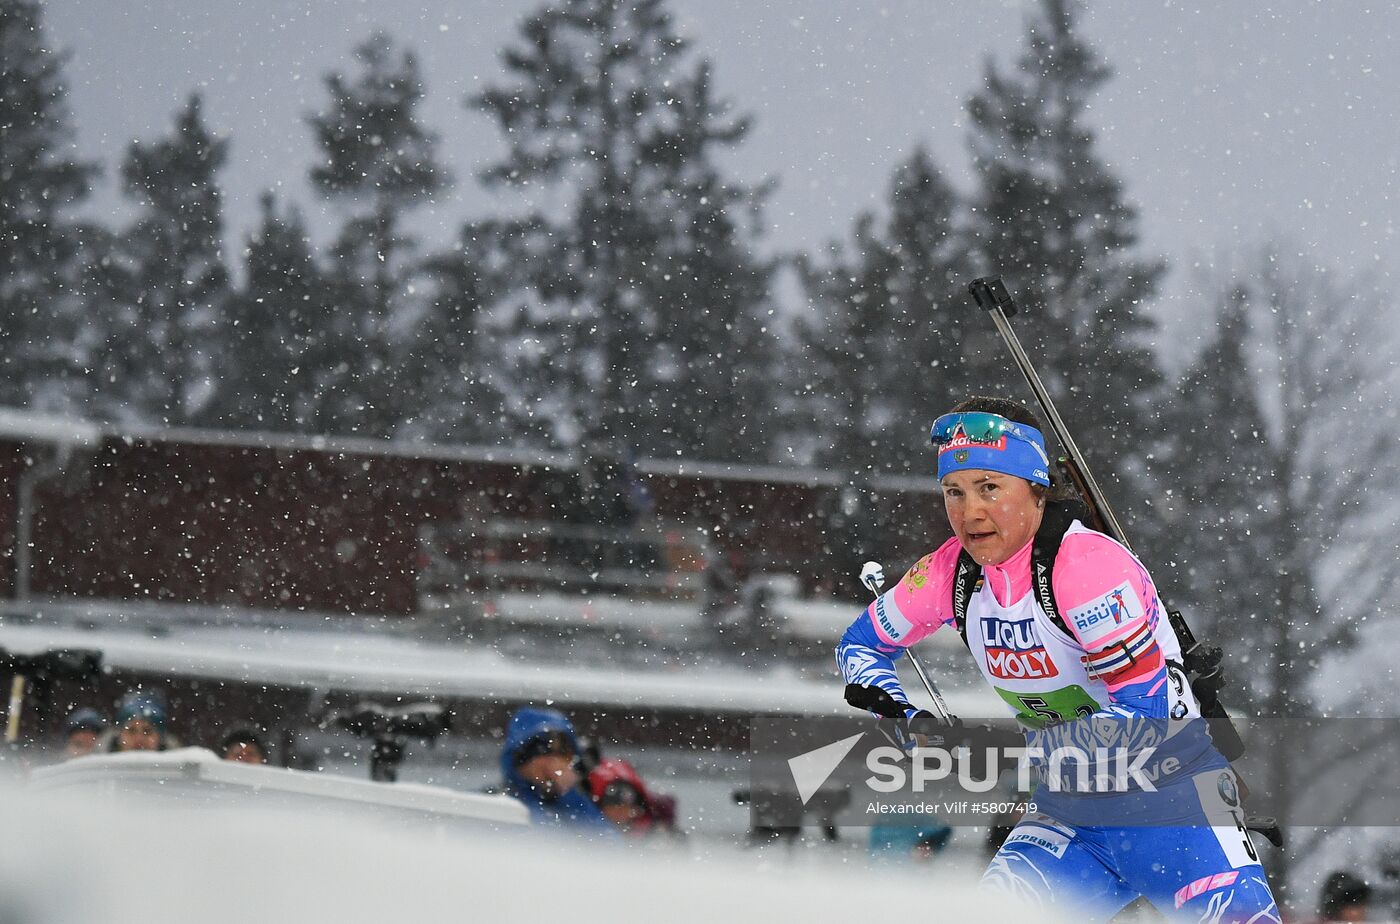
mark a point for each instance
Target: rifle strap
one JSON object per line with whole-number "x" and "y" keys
{"x": 967, "y": 580}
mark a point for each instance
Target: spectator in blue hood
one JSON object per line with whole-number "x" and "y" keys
{"x": 538, "y": 763}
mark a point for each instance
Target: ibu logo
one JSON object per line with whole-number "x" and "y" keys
{"x": 1014, "y": 651}
{"x": 1114, "y": 608}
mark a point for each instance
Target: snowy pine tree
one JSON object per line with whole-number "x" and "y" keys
{"x": 1221, "y": 502}
{"x": 1050, "y": 217}
{"x": 167, "y": 281}
{"x": 40, "y": 312}
{"x": 1314, "y": 488}
{"x": 460, "y": 370}
{"x": 644, "y": 296}
{"x": 878, "y": 354}
{"x": 379, "y": 162}
{"x": 1284, "y": 476}
{"x": 283, "y": 334}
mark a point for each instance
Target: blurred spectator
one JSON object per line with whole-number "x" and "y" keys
{"x": 663, "y": 813}
{"x": 590, "y": 754}
{"x": 1345, "y": 897}
{"x": 243, "y": 746}
{"x": 141, "y": 721}
{"x": 82, "y": 731}
{"x": 538, "y": 764}
{"x": 1385, "y": 893}
{"x": 720, "y": 586}
{"x": 624, "y": 799}
{"x": 908, "y": 842}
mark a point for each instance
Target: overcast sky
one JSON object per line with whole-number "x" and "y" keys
{"x": 1228, "y": 121}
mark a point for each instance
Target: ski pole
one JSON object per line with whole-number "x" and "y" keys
{"x": 872, "y": 575}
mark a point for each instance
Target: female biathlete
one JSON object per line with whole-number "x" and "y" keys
{"x": 1100, "y": 672}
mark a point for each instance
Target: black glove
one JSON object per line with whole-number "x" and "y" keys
{"x": 933, "y": 732}
{"x": 876, "y": 700}
{"x": 922, "y": 728}
{"x": 897, "y": 720}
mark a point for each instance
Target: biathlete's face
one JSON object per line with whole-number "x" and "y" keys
{"x": 993, "y": 515}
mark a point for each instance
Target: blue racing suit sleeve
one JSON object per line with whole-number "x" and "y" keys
{"x": 868, "y": 662}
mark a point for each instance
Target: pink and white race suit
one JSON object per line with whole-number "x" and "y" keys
{"x": 1104, "y": 680}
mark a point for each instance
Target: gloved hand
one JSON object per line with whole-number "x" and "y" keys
{"x": 896, "y": 718}
{"x": 907, "y": 726}
{"x": 904, "y": 725}
{"x": 879, "y": 701}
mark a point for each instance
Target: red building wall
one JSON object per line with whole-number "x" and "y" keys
{"x": 11, "y": 465}
{"x": 210, "y": 522}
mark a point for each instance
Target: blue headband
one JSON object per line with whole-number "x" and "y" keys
{"x": 1012, "y": 449}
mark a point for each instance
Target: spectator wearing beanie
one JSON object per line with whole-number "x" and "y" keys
{"x": 242, "y": 745}
{"x": 82, "y": 732}
{"x": 141, "y": 721}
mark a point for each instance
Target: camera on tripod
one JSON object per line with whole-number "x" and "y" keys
{"x": 389, "y": 727}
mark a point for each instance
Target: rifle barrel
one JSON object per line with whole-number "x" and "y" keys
{"x": 1023, "y": 362}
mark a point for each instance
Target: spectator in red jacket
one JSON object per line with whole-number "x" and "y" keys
{"x": 624, "y": 799}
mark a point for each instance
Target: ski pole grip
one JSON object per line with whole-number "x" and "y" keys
{"x": 989, "y": 292}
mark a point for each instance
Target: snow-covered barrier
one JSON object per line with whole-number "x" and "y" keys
{"x": 200, "y": 777}
{"x": 73, "y": 856}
